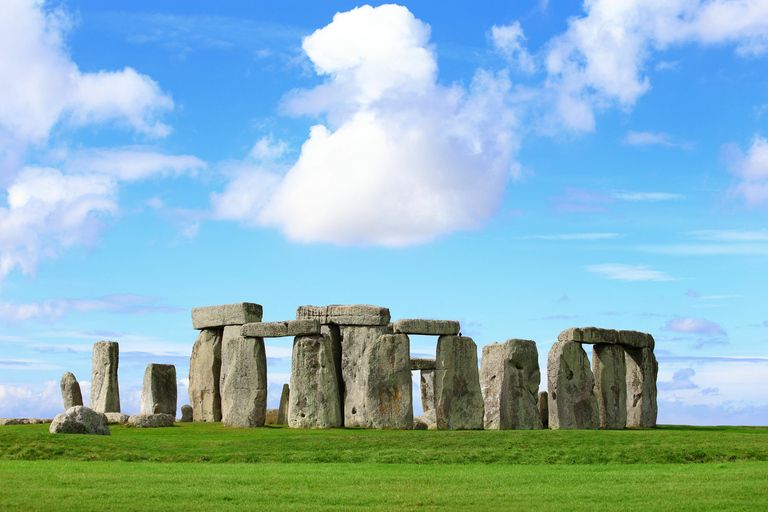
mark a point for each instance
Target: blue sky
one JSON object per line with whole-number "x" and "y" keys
{"x": 522, "y": 167}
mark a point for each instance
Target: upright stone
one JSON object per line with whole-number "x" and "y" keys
{"x": 70, "y": 391}
{"x": 243, "y": 382}
{"x": 105, "y": 393}
{"x": 610, "y": 371}
{"x": 186, "y": 413}
{"x": 572, "y": 401}
{"x": 282, "y": 411}
{"x": 313, "y": 401}
{"x": 389, "y": 396}
{"x": 458, "y": 399}
{"x": 427, "y": 390}
{"x": 642, "y": 370}
{"x": 158, "y": 392}
{"x": 204, "y": 376}
{"x": 544, "y": 409}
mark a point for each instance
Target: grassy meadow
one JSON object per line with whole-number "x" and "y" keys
{"x": 199, "y": 466}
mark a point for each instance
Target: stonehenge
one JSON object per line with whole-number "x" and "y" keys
{"x": 80, "y": 420}
{"x": 458, "y": 399}
{"x": 70, "y": 391}
{"x": 105, "y": 393}
{"x": 158, "y": 393}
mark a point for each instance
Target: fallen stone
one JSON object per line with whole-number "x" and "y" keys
{"x": 204, "y": 376}
{"x": 544, "y": 409}
{"x": 24, "y": 421}
{"x": 360, "y": 314}
{"x": 271, "y": 417}
{"x": 642, "y": 371}
{"x": 158, "y": 392}
{"x": 80, "y": 420}
{"x": 418, "y": 363}
{"x": 314, "y": 399}
{"x": 243, "y": 382}
{"x": 610, "y": 371}
{"x": 427, "y": 386}
{"x": 593, "y": 335}
{"x": 279, "y": 329}
{"x": 151, "y": 420}
{"x": 228, "y": 314}
{"x": 116, "y": 417}
{"x": 509, "y": 380}
{"x": 427, "y": 327}
{"x": 282, "y": 411}
{"x": 105, "y": 392}
{"x": 458, "y": 399}
{"x": 389, "y": 397}
{"x": 70, "y": 391}
{"x": 419, "y": 423}
{"x": 187, "y": 413}
{"x": 572, "y": 401}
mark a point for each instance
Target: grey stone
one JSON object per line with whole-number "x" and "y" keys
{"x": 24, "y": 421}
{"x": 389, "y": 396}
{"x": 116, "y": 417}
{"x": 636, "y": 339}
{"x": 80, "y": 420}
{"x": 458, "y": 399}
{"x": 509, "y": 380}
{"x": 204, "y": 376}
{"x": 427, "y": 327}
{"x": 227, "y": 314}
{"x": 70, "y": 391}
{"x": 572, "y": 401}
{"x": 187, "y": 413}
{"x": 243, "y": 382}
{"x": 105, "y": 392}
{"x": 419, "y": 423}
{"x": 356, "y": 342}
{"x": 610, "y": 371}
{"x": 427, "y": 385}
{"x": 271, "y": 417}
{"x": 594, "y": 335}
{"x": 544, "y": 409}
{"x": 419, "y": 363}
{"x": 314, "y": 398}
{"x": 642, "y": 371}
{"x": 151, "y": 420}
{"x": 282, "y": 411}
{"x": 279, "y": 329}
{"x": 359, "y": 314}
{"x": 158, "y": 392}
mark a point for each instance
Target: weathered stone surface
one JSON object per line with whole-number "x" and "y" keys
{"x": 419, "y": 363}
{"x": 204, "y": 376}
{"x": 458, "y": 399}
{"x": 24, "y": 421}
{"x": 389, "y": 399}
{"x": 427, "y": 382}
{"x": 70, "y": 391}
{"x": 594, "y": 335}
{"x": 610, "y": 371}
{"x": 243, "y": 382}
{"x": 227, "y": 314}
{"x": 314, "y": 399}
{"x": 282, "y": 411}
{"x": 356, "y": 342}
{"x": 116, "y": 417}
{"x": 279, "y": 329}
{"x": 419, "y": 423}
{"x": 642, "y": 371}
{"x": 80, "y": 420}
{"x": 572, "y": 401}
{"x": 544, "y": 409}
{"x": 428, "y": 327}
{"x": 271, "y": 417}
{"x": 158, "y": 392}
{"x": 187, "y": 413}
{"x": 509, "y": 380}
{"x": 359, "y": 314}
{"x": 105, "y": 393}
{"x": 151, "y": 420}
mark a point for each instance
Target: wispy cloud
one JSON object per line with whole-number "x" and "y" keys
{"x": 647, "y": 197}
{"x": 732, "y": 235}
{"x": 573, "y": 236}
{"x": 655, "y": 139}
{"x": 681, "y": 379}
{"x": 51, "y": 309}
{"x": 623, "y": 272}
{"x": 694, "y": 326}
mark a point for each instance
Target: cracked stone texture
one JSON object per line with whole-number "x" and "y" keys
{"x": 426, "y": 327}
{"x": 282, "y": 411}
{"x": 389, "y": 396}
{"x": 70, "y": 391}
{"x": 594, "y": 335}
{"x": 458, "y": 399}
{"x": 642, "y": 371}
{"x": 204, "y": 376}
{"x": 238, "y": 313}
{"x": 427, "y": 390}
{"x": 80, "y": 420}
{"x": 243, "y": 382}
{"x": 359, "y": 314}
{"x": 314, "y": 396}
{"x": 151, "y": 420}
{"x": 105, "y": 392}
{"x": 159, "y": 389}
{"x": 610, "y": 371}
{"x": 281, "y": 329}
{"x": 572, "y": 401}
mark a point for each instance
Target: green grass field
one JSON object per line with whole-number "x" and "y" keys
{"x": 209, "y": 467}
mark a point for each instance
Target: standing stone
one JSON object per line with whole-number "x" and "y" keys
{"x": 509, "y": 380}
{"x": 70, "y": 391}
{"x": 158, "y": 392}
{"x": 282, "y": 411}
{"x": 243, "y": 382}
{"x": 458, "y": 399}
{"x": 610, "y": 371}
{"x": 642, "y": 370}
{"x": 427, "y": 390}
{"x": 572, "y": 401}
{"x": 80, "y": 420}
{"x": 544, "y": 409}
{"x": 204, "y": 376}
{"x": 105, "y": 393}
{"x": 389, "y": 397}
{"x": 186, "y": 413}
{"x": 313, "y": 401}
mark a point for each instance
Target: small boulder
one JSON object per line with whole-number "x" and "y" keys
{"x": 151, "y": 420}
{"x": 116, "y": 417}
{"x": 80, "y": 420}
{"x": 186, "y": 413}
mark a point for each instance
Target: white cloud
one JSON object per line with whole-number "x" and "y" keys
{"x": 52, "y": 309}
{"x": 751, "y": 170}
{"x": 131, "y": 164}
{"x": 31, "y": 401}
{"x": 695, "y": 326}
{"x": 654, "y": 139}
{"x": 509, "y": 41}
{"x": 629, "y": 272}
{"x": 734, "y": 235}
{"x": 651, "y": 197}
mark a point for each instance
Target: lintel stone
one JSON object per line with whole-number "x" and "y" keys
{"x": 359, "y": 314}
{"x": 428, "y": 327}
{"x": 419, "y": 363}
{"x": 280, "y": 329}
{"x": 594, "y": 335}
{"x": 227, "y": 314}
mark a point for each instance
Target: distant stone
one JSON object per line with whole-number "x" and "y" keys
{"x": 636, "y": 339}
{"x": 389, "y": 396}
{"x": 642, "y": 371}
{"x": 282, "y": 411}
{"x": 80, "y": 420}
{"x": 610, "y": 371}
{"x": 418, "y": 363}
{"x": 105, "y": 392}
{"x": 544, "y": 409}
{"x": 314, "y": 400}
{"x": 116, "y": 417}
{"x": 228, "y": 314}
{"x": 427, "y": 327}
{"x": 187, "y": 413}
{"x": 427, "y": 384}
{"x": 572, "y": 401}
{"x": 593, "y": 335}
{"x": 360, "y": 314}
{"x": 204, "y": 376}
{"x": 243, "y": 382}
{"x": 151, "y": 420}
{"x": 419, "y": 423}
{"x": 70, "y": 391}
{"x": 158, "y": 392}
{"x": 271, "y": 417}
{"x": 279, "y": 329}
{"x": 458, "y": 399}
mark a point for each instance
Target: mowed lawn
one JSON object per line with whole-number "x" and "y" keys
{"x": 209, "y": 467}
